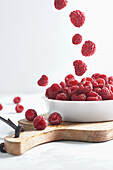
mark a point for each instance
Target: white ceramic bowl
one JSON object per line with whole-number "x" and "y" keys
{"x": 81, "y": 111}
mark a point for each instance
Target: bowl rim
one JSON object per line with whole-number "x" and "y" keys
{"x": 66, "y": 101}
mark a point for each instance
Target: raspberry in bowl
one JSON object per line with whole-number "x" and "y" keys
{"x": 90, "y": 100}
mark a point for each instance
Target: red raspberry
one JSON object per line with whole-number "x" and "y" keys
{"x": 103, "y": 76}
{"x": 19, "y": 108}
{"x": 85, "y": 87}
{"x": 105, "y": 93}
{"x": 54, "y": 90}
{"x": 69, "y": 77}
{"x": 99, "y": 83}
{"x": 88, "y": 48}
{"x": 47, "y": 92}
{"x": 95, "y": 76}
{"x": 77, "y": 18}
{"x": 62, "y": 96}
{"x": 74, "y": 97}
{"x": 1, "y": 107}
{"x": 60, "y": 4}
{"x": 55, "y": 119}
{"x": 66, "y": 90}
{"x": 93, "y": 99}
{"x": 110, "y": 87}
{"x": 97, "y": 90}
{"x": 43, "y": 81}
{"x": 72, "y": 90}
{"x": 63, "y": 85}
{"x": 17, "y": 100}
{"x": 80, "y": 67}
{"x": 77, "y": 39}
{"x": 110, "y": 78}
{"x": 30, "y": 114}
{"x": 81, "y": 97}
{"x": 87, "y": 79}
{"x": 40, "y": 122}
{"x": 111, "y": 96}
{"x": 72, "y": 83}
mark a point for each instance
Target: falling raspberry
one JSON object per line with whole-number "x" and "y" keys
{"x": 76, "y": 39}
{"x": 30, "y": 114}
{"x": 88, "y": 48}
{"x": 1, "y": 107}
{"x": 19, "y": 108}
{"x": 80, "y": 67}
{"x": 55, "y": 119}
{"x": 60, "y": 4}
{"x": 40, "y": 123}
{"x": 43, "y": 81}
{"x": 77, "y": 18}
{"x": 17, "y": 100}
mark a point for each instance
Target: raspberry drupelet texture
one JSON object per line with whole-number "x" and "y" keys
{"x": 93, "y": 96}
{"x": 76, "y": 39}
{"x": 85, "y": 87}
{"x": 40, "y": 123}
{"x": 55, "y": 119}
{"x": 30, "y": 114}
{"x": 17, "y": 100}
{"x": 19, "y": 108}
{"x": 80, "y": 67}
{"x": 88, "y": 48}
{"x": 60, "y": 4}
{"x": 99, "y": 83}
{"x": 105, "y": 93}
{"x": 62, "y": 96}
{"x": 43, "y": 81}
{"x": 1, "y": 107}
{"x": 72, "y": 90}
{"x": 53, "y": 91}
{"x": 77, "y": 18}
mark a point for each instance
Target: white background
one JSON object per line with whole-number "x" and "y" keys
{"x": 35, "y": 39}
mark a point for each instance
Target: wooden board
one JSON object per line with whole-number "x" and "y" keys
{"x": 90, "y": 132}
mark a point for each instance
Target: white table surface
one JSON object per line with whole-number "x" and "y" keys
{"x": 61, "y": 155}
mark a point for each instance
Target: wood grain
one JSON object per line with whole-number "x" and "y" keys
{"x": 90, "y": 132}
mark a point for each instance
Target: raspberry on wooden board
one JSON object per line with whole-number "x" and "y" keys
{"x": 55, "y": 119}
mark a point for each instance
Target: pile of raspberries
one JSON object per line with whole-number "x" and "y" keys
{"x": 95, "y": 88}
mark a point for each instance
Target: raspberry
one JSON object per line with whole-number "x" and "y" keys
{"x": 110, "y": 78}
{"x": 19, "y": 108}
{"x": 97, "y": 90}
{"x": 105, "y": 93}
{"x": 47, "y": 92}
{"x": 62, "y": 96}
{"x": 72, "y": 83}
{"x": 74, "y": 97}
{"x": 30, "y": 114}
{"x": 43, "y": 81}
{"x": 95, "y": 76}
{"x": 17, "y": 100}
{"x": 40, "y": 122}
{"x": 87, "y": 79}
{"x": 63, "y": 85}
{"x": 77, "y": 18}
{"x": 81, "y": 97}
{"x": 88, "y": 48}
{"x": 60, "y": 4}
{"x": 85, "y": 87}
{"x": 77, "y": 39}
{"x": 80, "y": 67}
{"x": 73, "y": 89}
{"x": 69, "y": 77}
{"x": 103, "y": 76}
{"x": 55, "y": 118}
{"x": 93, "y": 99}
{"x": 99, "y": 83}
{"x": 54, "y": 90}
{"x": 66, "y": 90}
{"x": 1, "y": 107}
